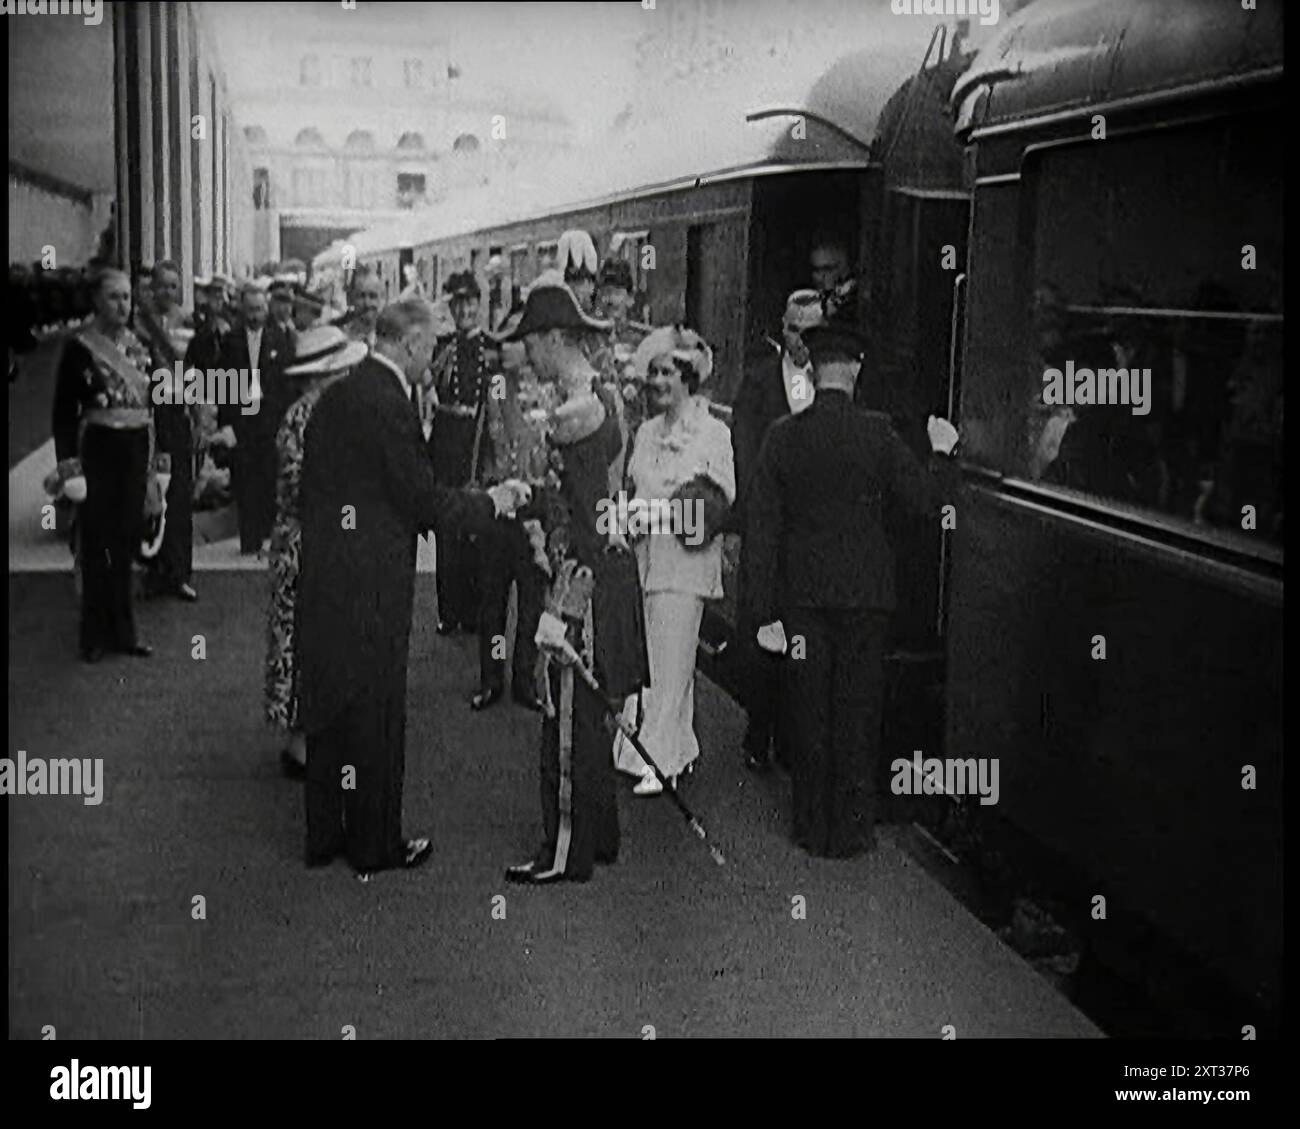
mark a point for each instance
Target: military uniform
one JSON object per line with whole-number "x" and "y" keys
{"x": 101, "y": 418}
{"x": 579, "y": 807}
{"x": 460, "y": 372}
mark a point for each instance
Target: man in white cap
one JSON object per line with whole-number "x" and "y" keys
{"x": 779, "y": 384}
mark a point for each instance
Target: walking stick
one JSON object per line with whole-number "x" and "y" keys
{"x": 630, "y": 733}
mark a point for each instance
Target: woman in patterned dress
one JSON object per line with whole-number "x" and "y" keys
{"x": 324, "y": 354}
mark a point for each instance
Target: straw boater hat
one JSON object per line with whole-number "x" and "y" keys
{"x": 325, "y": 349}
{"x": 550, "y": 304}
{"x": 804, "y": 309}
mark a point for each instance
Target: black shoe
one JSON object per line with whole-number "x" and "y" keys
{"x": 418, "y": 852}
{"x": 138, "y": 650}
{"x": 607, "y": 860}
{"x": 290, "y": 767}
{"x": 531, "y": 873}
{"x": 758, "y": 762}
{"x": 324, "y": 859}
{"x": 186, "y": 593}
{"x": 92, "y": 654}
{"x": 527, "y": 699}
{"x": 485, "y": 698}
{"x": 446, "y": 627}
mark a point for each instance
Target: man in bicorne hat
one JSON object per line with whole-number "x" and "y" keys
{"x": 823, "y": 583}
{"x": 460, "y": 377}
{"x": 593, "y": 612}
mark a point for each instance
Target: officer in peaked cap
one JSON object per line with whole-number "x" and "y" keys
{"x": 461, "y": 367}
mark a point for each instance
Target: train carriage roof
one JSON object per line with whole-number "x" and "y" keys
{"x": 843, "y": 109}
{"x": 1058, "y": 55}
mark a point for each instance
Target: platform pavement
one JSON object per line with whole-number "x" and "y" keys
{"x": 103, "y": 944}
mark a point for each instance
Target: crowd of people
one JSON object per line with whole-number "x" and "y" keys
{"x": 366, "y": 428}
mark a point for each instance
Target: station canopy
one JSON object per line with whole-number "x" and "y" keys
{"x": 687, "y": 139}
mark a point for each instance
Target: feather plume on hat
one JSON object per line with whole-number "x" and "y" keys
{"x": 576, "y": 254}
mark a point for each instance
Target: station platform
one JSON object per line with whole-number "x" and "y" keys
{"x": 103, "y": 944}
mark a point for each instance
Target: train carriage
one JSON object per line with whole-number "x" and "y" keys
{"x": 1116, "y": 589}
{"x": 1098, "y": 189}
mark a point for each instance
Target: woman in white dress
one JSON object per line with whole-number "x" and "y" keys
{"x": 678, "y": 446}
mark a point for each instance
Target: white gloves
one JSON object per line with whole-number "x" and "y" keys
{"x": 943, "y": 436}
{"x": 510, "y": 496}
{"x": 771, "y": 637}
{"x": 224, "y": 438}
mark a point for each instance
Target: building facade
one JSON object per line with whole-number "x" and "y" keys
{"x": 352, "y": 122}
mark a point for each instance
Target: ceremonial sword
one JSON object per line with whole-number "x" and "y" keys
{"x": 625, "y": 727}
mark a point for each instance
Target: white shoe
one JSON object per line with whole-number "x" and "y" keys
{"x": 649, "y": 785}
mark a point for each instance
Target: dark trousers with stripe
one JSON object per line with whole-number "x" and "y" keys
{"x": 593, "y": 830}
{"x": 359, "y": 815}
{"x": 115, "y": 463}
{"x": 833, "y": 703}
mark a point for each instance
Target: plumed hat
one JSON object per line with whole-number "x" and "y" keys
{"x": 551, "y": 305}
{"x": 576, "y": 255}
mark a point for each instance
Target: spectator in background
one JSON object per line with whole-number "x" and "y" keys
{"x": 777, "y": 385}
{"x": 831, "y": 268}
{"x": 576, "y": 257}
{"x": 166, "y": 329}
{"x": 263, "y": 350}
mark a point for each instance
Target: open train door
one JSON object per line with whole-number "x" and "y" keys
{"x": 912, "y": 304}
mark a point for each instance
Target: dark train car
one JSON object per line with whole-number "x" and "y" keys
{"x": 1127, "y": 214}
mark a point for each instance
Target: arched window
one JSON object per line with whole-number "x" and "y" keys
{"x": 310, "y": 138}
{"x": 360, "y": 139}
{"x": 410, "y": 140}
{"x": 255, "y": 135}
{"x": 465, "y": 143}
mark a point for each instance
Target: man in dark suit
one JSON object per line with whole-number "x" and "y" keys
{"x": 777, "y": 385}
{"x": 367, "y": 492}
{"x": 265, "y": 351}
{"x": 823, "y": 583}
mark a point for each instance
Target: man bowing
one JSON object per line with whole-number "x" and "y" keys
{"x": 367, "y": 492}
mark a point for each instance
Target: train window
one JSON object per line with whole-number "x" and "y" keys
{"x": 1156, "y": 371}
{"x": 518, "y": 271}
